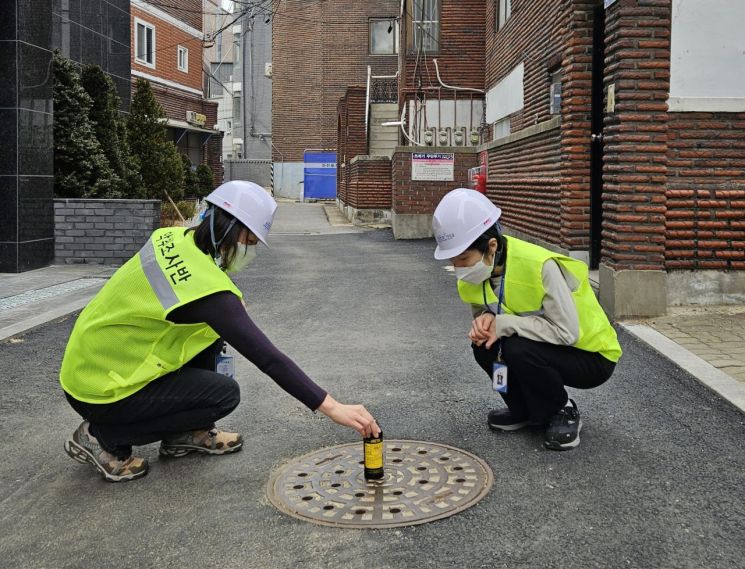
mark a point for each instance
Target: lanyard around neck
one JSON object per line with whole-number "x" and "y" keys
{"x": 500, "y": 300}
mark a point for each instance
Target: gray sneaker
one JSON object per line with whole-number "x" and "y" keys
{"x": 84, "y": 448}
{"x": 209, "y": 442}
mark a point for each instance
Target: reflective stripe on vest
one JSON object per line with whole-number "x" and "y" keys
{"x": 524, "y": 293}
{"x": 123, "y": 340}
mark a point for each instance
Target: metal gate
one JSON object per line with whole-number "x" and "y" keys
{"x": 319, "y": 174}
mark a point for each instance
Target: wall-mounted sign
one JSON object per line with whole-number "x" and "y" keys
{"x": 432, "y": 166}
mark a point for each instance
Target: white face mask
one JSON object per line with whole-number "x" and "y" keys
{"x": 242, "y": 259}
{"x": 475, "y": 274}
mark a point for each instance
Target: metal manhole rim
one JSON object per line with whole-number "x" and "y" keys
{"x": 273, "y": 497}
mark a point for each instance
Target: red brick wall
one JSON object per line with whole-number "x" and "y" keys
{"x": 705, "y": 221}
{"x": 351, "y": 140}
{"x": 524, "y": 180}
{"x": 535, "y": 34}
{"x": 167, "y": 39}
{"x": 319, "y": 47}
{"x": 422, "y": 197}
{"x": 369, "y": 184}
{"x": 188, "y": 11}
{"x": 637, "y": 59}
{"x": 576, "y": 124}
{"x": 461, "y": 54}
{"x": 538, "y": 181}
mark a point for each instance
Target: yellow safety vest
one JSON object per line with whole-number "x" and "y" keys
{"x": 122, "y": 340}
{"x": 524, "y": 293}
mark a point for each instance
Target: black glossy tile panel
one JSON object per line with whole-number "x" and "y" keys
{"x": 35, "y": 80}
{"x": 8, "y": 92}
{"x": 9, "y": 208}
{"x": 8, "y": 257}
{"x": 93, "y": 15}
{"x": 8, "y": 20}
{"x": 35, "y": 22}
{"x": 35, "y": 143}
{"x": 35, "y": 207}
{"x": 92, "y": 48}
{"x": 9, "y": 138}
{"x": 35, "y": 254}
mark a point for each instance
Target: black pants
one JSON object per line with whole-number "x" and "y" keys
{"x": 191, "y": 398}
{"x": 537, "y": 373}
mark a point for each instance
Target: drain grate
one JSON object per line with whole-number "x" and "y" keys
{"x": 423, "y": 482}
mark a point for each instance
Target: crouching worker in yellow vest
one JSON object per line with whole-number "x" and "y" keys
{"x": 140, "y": 363}
{"x": 537, "y": 326}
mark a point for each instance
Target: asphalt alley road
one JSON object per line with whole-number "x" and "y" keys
{"x": 656, "y": 483}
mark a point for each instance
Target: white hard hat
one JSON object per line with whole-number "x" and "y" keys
{"x": 249, "y": 203}
{"x": 459, "y": 219}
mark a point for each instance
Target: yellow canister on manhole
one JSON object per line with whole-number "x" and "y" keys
{"x": 374, "y": 457}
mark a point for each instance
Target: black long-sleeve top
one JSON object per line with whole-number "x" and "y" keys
{"x": 225, "y": 314}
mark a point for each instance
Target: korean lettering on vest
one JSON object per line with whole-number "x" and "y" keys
{"x": 175, "y": 268}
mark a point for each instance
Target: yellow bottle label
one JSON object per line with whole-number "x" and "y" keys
{"x": 374, "y": 455}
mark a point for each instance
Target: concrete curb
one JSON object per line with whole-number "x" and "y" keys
{"x": 715, "y": 379}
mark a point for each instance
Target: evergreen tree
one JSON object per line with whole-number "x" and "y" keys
{"x": 158, "y": 158}
{"x": 81, "y": 169}
{"x": 205, "y": 180}
{"x": 110, "y": 128}
{"x": 191, "y": 183}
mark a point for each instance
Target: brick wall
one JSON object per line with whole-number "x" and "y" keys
{"x": 540, "y": 181}
{"x": 319, "y": 47}
{"x": 105, "y": 232}
{"x": 536, "y": 34}
{"x": 351, "y": 140}
{"x": 188, "y": 11}
{"x": 415, "y": 197}
{"x": 705, "y": 218}
{"x": 369, "y": 183}
{"x": 637, "y": 61}
{"x": 524, "y": 180}
{"x": 461, "y": 53}
{"x": 167, "y": 39}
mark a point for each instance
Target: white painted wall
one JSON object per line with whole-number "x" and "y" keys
{"x": 707, "y": 61}
{"x": 506, "y": 97}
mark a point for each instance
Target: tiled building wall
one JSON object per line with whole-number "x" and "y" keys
{"x": 319, "y": 47}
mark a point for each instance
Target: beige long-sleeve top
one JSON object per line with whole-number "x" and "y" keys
{"x": 558, "y": 321}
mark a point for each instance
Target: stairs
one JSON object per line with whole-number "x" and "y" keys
{"x": 383, "y": 139}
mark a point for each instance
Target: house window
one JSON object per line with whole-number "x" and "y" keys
{"x": 555, "y": 93}
{"x": 144, "y": 43}
{"x": 183, "y": 59}
{"x": 383, "y": 37}
{"x": 501, "y": 128}
{"x": 424, "y": 26}
{"x": 504, "y": 10}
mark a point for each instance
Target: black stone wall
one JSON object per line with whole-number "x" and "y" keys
{"x": 88, "y": 31}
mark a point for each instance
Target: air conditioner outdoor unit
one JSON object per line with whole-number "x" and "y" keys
{"x": 191, "y": 116}
{"x": 196, "y": 118}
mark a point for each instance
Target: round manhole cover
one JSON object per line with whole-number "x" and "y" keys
{"x": 423, "y": 482}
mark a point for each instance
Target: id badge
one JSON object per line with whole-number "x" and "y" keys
{"x": 224, "y": 365}
{"x": 499, "y": 377}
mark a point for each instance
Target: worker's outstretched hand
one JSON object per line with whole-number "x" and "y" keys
{"x": 483, "y": 331}
{"x": 355, "y": 416}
